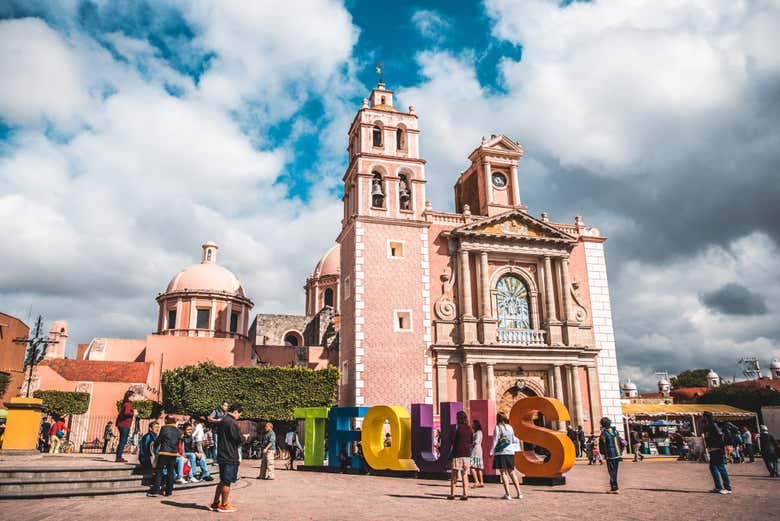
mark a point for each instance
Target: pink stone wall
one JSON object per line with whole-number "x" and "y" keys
{"x": 394, "y": 361}
{"x": 121, "y": 350}
{"x": 578, "y": 272}
{"x": 347, "y": 332}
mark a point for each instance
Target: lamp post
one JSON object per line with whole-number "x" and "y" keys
{"x": 36, "y": 350}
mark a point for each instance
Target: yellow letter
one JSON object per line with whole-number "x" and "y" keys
{"x": 560, "y": 446}
{"x": 399, "y": 455}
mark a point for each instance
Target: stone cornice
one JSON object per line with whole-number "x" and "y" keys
{"x": 190, "y": 293}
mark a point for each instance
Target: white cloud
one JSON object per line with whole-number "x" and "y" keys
{"x": 431, "y": 24}
{"x": 111, "y": 183}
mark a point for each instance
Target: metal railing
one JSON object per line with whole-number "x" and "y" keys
{"x": 521, "y": 337}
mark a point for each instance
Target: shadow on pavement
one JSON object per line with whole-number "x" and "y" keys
{"x": 570, "y": 491}
{"x": 676, "y": 491}
{"x": 193, "y": 506}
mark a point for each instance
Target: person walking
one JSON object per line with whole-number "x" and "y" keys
{"x": 293, "y": 445}
{"x": 611, "y": 445}
{"x": 503, "y": 453}
{"x": 214, "y": 419}
{"x": 124, "y": 421}
{"x": 476, "y": 455}
{"x": 768, "y": 447}
{"x": 581, "y": 440}
{"x": 44, "y": 440}
{"x": 572, "y": 435}
{"x": 715, "y": 443}
{"x": 57, "y": 434}
{"x": 636, "y": 445}
{"x": 227, "y": 456}
{"x": 747, "y": 440}
{"x": 461, "y": 455}
{"x": 198, "y": 435}
{"x": 167, "y": 448}
{"x": 108, "y": 434}
{"x": 267, "y": 452}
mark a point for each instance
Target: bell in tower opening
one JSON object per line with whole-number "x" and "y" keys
{"x": 404, "y": 195}
{"x": 377, "y": 193}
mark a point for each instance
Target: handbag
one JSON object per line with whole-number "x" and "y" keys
{"x": 503, "y": 442}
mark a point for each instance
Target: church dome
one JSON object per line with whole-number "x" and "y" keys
{"x": 207, "y": 276}
{"x": 775, "y": 363}
{"x": 330, "y": 263}
{"x": 712, "y": 374}
{"x": 629, "y": 386}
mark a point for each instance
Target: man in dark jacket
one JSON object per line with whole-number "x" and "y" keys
{"x": 611, "y": 446}
{"x": 145, "y": 447}
{"x": 230, "y": 439}
{"x": 768, "y": 447}
{"x": 581, "y": 439}
{"x": 572, "y": 435}
{"x": 167, "y": 447}
{"x": 715, "y": 442}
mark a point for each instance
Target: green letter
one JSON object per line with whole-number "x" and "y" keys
{"x": 314, "y": 441}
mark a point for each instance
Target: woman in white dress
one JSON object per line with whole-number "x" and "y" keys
{"x": 476, "y": 455}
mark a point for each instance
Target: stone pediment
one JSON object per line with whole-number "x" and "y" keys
{"x": 502, "y": 142}
{"x": 514, "y": 225}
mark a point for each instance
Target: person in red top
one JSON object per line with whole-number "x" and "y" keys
{"x": 57, "y": 434}
{"x": 123, "y": 422}
{"x": 461, "y": 455}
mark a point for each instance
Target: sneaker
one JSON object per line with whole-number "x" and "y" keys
{"x": 507, "y": 496}
{"x": 725, "y": 491}
{"x": 181, "y": 481}
{"x": 226, "y": 508}
{"x": 214, "y": 507}
{"x": 152, "y": 494}
{"x": 193, "y": 479}
{"x": 208, "y": 478}
{"x": 613, "y": 492}
{"x": 716, "y": 490}
{"x": 519, "y": 496}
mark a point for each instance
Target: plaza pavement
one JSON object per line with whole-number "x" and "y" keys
{"x": 650, "y": 490}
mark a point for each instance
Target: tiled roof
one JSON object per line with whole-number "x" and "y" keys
{"x": 762, "y": 382}
{"x": 100, "y": 370}
{"x": 689, "y": 393}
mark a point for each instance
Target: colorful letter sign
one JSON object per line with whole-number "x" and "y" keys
{"x": 314, "y": 440}
{"x": 399, "y": 455}
{"x": 340, "y": 435}
{"x": 558, "y": 444}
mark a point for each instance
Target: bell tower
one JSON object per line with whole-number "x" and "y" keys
{"x": 385, "y": 177}
{"x": 385, "y": 290}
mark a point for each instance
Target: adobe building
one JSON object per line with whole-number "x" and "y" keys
{"x": 488, "y": 302}
{"x": 12, "y": 354}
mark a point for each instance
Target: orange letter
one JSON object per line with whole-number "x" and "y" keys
{"x": 560, "y": 446}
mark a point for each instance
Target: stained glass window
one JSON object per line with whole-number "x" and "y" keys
{"x": 512, "y": 303}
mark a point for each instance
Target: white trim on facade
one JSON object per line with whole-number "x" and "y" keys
{"x": 359, "y": 306}
{"x": 426, "y": 305}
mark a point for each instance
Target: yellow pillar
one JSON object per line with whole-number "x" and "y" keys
{"x": 22, "y": 424}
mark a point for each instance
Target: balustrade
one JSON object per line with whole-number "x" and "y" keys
{"x": 522, "y": 337}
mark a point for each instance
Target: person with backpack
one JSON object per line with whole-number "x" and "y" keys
{"x": 611, "y": 445}
{"x": 167, "y": 448}
{"x": 57, "y": 435}
{"x": 503, "y": 452}
{"x": 715, "y": 442}
{"x": 767, "y": 444}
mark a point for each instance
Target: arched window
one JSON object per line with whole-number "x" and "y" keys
{"x": 328, "y": 298}
{"x": 377, "y": 191}
{"x": 512, "y": 303}
{"x": 400, "y": 139}
{"x": 291, "y": 339}
{"x": 404, "y": 192}
{"x": 376, "y": 134}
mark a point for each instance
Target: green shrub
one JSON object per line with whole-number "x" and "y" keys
{"x": 146, "y": 409}
{"x": 5, "y": 381}
{"x": 269, "y": 393}
{"x": 63, "y": 403}
{"x": 747, "y": 397}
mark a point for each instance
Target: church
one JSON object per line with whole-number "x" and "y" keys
{"x": 412, "y": 304}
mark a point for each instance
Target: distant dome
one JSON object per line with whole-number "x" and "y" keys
{"x": 712, "y": 374}
{"x": 330, "y": 263}
{"x": 775, "y": 363}
{"x": 629, "y": 386}
{"x": 663, "y": 381}
{"x": 206, "y": 276}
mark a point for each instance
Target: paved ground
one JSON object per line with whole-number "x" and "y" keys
{"x": 658, "y": 491}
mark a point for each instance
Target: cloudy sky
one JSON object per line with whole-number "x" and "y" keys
{"x": 132, "y": 132}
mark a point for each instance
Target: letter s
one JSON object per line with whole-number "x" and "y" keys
{"x": 558, "y": 444}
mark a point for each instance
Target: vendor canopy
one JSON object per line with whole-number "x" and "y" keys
{"x": 671, "y": 410}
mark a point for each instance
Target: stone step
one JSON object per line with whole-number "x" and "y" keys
{"x": 128, "y": 489}
{"x": 107, "y": 471}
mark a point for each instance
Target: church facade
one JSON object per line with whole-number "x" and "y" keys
{"x": 488, "y": 302}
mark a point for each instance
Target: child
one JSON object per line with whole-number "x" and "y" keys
{"x": 594, "y": 454}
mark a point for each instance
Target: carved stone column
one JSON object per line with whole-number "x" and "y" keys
{"x": 465, "y": 285}
{"x": 567, "y": 314}
{"x": 485, "y": 284}
{"x": 548, "y": 290}
{"x": 441, "y": 382}
{"x": 491, "y": 382}
{"x": 471, "y": 389}
{"x": 592, "y": 393}
{"x": 559, "y": 392}
{"x": 515, "y": 187}
{"x": 488, "y": 182}
{"x": 575, "y": 379}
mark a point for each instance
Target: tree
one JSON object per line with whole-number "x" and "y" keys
{"x": 5, "y": 381}
{"x": 63, "y": 403}
{"x": 749, "y": 397}
{"x": 269, "y": 393}
{"x": 690, "y": 378}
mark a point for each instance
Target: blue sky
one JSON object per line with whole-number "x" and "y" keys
{"x": 132, "y": 132}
